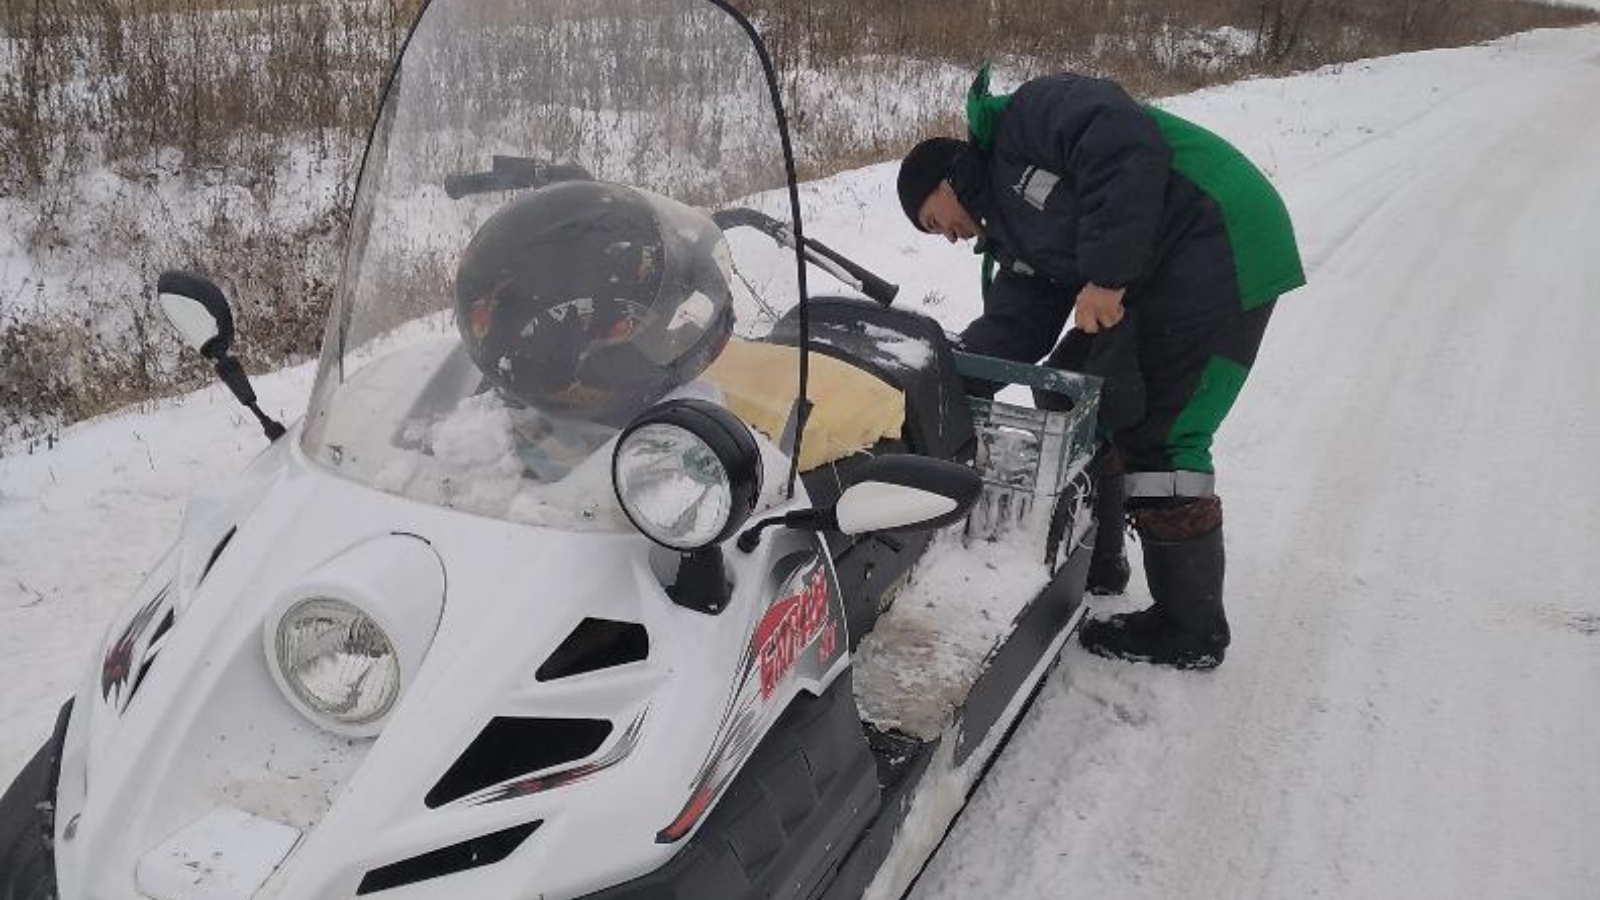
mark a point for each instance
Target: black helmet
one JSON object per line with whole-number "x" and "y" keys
{"x": 593, "y": 300}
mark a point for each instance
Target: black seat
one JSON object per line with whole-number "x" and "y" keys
{"x": 905, "y": 349}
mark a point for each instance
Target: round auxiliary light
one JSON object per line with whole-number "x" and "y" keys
{"x": 687, "y": 474}
{"x": 336, "y": 660}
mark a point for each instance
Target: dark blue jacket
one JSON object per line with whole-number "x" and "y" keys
{"x": 1082, "y": 184}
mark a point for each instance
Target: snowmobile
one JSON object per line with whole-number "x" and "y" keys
{"x": 571, "y": 579}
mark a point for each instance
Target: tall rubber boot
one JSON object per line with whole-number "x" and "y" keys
{"x": 1185, "y": 577}
{"x": 1108, "y": 563}
{"x": 1186, "y": 627}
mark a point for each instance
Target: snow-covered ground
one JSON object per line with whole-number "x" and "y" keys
{"x": 1408, "y": 709}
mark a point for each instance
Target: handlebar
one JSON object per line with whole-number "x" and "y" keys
{"x": 817, "y": 253}
{"x": 458, "y": 186}
{"x": 512, "y": 173}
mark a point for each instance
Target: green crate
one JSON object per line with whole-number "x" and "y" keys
{"x": 1028, "y": 457}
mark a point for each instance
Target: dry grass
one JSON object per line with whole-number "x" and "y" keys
{"x": 212, "y": 95}
{"x": 97, "y": 80}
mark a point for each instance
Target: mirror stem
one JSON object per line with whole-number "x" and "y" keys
{"x": 800, "y": 519}
{"x": 232, "y": 374}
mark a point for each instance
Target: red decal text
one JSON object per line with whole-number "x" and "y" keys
{"x": 791, "y": 626}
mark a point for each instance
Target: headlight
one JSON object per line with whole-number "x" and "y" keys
{"x": 687, "y": 474}
{"x": 337, "y": 662}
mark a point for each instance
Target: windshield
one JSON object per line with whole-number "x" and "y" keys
{"x": 536, "y": 256}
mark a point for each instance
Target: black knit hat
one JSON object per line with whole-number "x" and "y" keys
{"x": 924, "y": 167}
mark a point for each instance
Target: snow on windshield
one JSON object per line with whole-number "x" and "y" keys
{"x": 417, "y": 422}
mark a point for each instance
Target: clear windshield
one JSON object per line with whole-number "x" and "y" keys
{"x": 533, "y": 256}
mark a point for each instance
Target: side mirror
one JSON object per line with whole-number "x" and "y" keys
{"x": 907, "y": 493}
{"x": 892, "y": 493}
{"x": 199, "y": 312}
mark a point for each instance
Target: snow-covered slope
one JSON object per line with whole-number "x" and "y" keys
{"x": 1408, "y": 710}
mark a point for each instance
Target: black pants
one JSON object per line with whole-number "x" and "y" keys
{"x": 1191, "y": 366}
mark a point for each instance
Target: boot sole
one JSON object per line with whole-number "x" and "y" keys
{"x": 1202, "y": 663}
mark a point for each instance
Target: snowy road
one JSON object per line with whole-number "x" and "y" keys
{"x": 1410, "y": 708}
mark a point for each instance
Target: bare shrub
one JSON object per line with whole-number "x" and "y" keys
{"x": 1153, "y": 47}
{"x": 1298, "y": 34}
{"x": 185, "y": 97}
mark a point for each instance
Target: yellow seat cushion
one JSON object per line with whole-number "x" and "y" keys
{"x": 851, "y": 409}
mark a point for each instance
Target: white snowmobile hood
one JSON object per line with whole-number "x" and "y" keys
{"x": 197, "y": 726}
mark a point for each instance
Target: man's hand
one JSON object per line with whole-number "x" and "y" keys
{"x": 1097, "y": 308}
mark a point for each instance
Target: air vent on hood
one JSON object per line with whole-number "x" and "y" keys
{"x": 485, "y": 850}
{"x": 596, "y": 644}
{"x": 509, "y": 747}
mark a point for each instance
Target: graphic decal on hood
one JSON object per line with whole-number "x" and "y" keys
{"x": 130, "y": 653}
{"x": 799, "y": 637}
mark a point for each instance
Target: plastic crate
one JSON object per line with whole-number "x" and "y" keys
{"x": 1030, "y": 457}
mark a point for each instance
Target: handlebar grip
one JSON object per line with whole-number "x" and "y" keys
{"x": 458, "y": 186}
{"x": 878, "y": 289}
